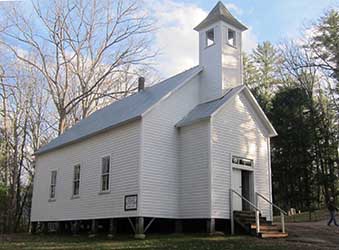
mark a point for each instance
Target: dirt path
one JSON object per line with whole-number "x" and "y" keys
{"x": 314, "y": 233}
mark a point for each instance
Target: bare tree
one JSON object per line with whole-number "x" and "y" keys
{"x": 24, "y": 107}
{"x": 81, "y": 48}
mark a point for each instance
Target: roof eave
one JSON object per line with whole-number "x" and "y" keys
{"x": 206, "y": 23}
{"x": 271, "y": 130}
{"x": 40, "y": 152}
{"x": 185, "y": 124}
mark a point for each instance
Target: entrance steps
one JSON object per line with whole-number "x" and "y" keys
{"x": 246, "y": 219}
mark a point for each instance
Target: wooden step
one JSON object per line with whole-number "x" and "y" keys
{"x": 273, "y": 234}
{"x": 248, "y": 217}
{"x": 252, "y": 221}
{"x": 243, "y": 212}
{"x": 265, "y": 227}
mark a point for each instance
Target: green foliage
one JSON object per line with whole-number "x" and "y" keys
{"x": 261, "y": 71}
{"x": 294, "y": 86}
{"x": 292, "y": 159}
{"x": 325, "y": 43}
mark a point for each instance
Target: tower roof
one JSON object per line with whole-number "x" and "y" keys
{"x": 220, "y": 12}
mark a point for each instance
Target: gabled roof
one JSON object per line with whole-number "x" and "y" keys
{"x": 120, "y": 112}
{"x": 220, "y": 13}
{"x": 205, "y": 110}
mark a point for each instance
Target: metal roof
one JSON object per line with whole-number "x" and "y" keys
{"x": 220, "y": 12}
{"x": 120, "y": 112}
{"x": 205, "y": 110}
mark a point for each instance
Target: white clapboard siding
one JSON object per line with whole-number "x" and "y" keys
{"x": 122, "y": 144}
{"x": 160, "y": 165}
{"x": 236, "y": 130}
{"x": 195, "y": 190}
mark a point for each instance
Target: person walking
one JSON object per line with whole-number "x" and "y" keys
{"x": 333, "y": 209}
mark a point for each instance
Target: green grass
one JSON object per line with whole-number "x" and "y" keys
{"x": 316, "y": 215}
{"x": 153, "y": 242}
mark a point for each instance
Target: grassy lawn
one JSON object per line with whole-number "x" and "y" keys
{"x": 178, "y": 242}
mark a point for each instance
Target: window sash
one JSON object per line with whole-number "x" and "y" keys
{"x": 52, "y": 192}
{"x": 76, "y": 187}
{"x": 76, "y": 172}
{"x": 53, "y": 184}
{"x": 105, "y": 165}
{"x": 105, "y": 182}
{"x": 105, "y": 173}
{"x": 76, "y": 180}
{"x": 53, "y": 177}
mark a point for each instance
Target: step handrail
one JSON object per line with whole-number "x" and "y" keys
{"x": 270, "y": 202}
{"x": 282, "y": 212}
{"x": 257, "y": 211}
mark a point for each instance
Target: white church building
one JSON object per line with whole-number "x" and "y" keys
{"x": 194, "y": 148}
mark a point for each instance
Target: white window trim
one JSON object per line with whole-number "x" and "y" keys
{"x": 76, "y": 180}
{"x": 102, "y": 174}
{"x": 53, "y": 185}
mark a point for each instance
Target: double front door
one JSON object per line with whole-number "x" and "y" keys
{"x": 242, "y": 183}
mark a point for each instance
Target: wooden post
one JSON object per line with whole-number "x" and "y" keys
{"x": 211, "y": 226}
{"x": 57, "y": 227}
{"x": 178, "y": 226}
{"x": 282, "y": 222}
{"x": 139, "y": 228}
{"x": 45, "y": 227}
{"x": 257, "y": 221}
{"x": 61, "y": 227}
{"x": 33, "y": 227}
{"x": 93, "y": 228}
{"x": 231, "y": 212}
{"x": 76, "y": 226}
{"x": 112, "y": 228}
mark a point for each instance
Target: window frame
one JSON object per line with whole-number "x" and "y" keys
{"x": 207, "y": 39}
{"x": 76, "y": 179}
{"x": 105, "y": 174}
{"x": 234, "y": 44}
{"x": 52, "y": 186}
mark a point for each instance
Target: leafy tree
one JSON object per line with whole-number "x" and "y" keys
{"x": 261, "y": 73}
{"x": 324, "y": 46}
{"x": 325, "y": 43}
{"x": 292, "y": 159}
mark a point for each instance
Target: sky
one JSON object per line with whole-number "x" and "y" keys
{"x": 272, "y": 20}
{"x": 267, "y": 20}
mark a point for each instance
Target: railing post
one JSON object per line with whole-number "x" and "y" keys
{"x": 231, "y": 210}
{"x": 282, "y": 222}
{"x": 257, "y": 221}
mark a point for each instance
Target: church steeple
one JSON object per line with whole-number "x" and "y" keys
{"x": 220, "y": 13}
{"x": 220, "y": 52}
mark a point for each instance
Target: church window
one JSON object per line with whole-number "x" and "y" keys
{"x": 209, "y": 37}
{"x": 231, "y": 37}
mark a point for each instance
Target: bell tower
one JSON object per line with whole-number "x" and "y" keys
{"x": 219, "y": 52}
